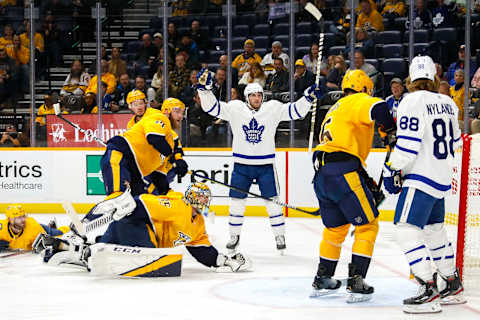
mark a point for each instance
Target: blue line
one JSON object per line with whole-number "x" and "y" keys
{"x": 415, "y": 249}
{"x": 244, "y": 156}
{"x": 449, "y": 257}
{"x": 280, "y": 215}
{"x": 428, "y": 181}
{"x": 415, "y": 261}
{"x": 278, "y": 225}
{"x": 438, "y": 248}
{"x": 296, "y": 111}
{"x": 410, "y": 138}
{"x": 234, "y": 215}
{"x": 406, "y": 150}
{"x": 235, "y": 224}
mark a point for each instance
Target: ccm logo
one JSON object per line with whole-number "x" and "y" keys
{"x": 127, "y": 250}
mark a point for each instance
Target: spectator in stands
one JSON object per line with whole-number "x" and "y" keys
{"x": 173, "y": 35}
{"x": 103, "y": 55}
{"x": 476, "y": 79}
{"x": 444, "y": 88}
{"x": 341, "y": 25}
{"x": 223, "y": 62}
{"x": 363, "y": 42}
{"x": 117, "y": 65}
{"x": 235, "y": 94}
{"x": 10, "y": 137}
{"x": 359, "y": 63}
{"x": 457, "y": 91}
{"x": 443, "y": 15}
{"x": 37, "y": 38}
{"x": 198, "y": 36}
{"x": 440, "y": 73}
{"x": 8, "y": 77}
{"x": 53, "y": 41}
{"x": 159, "y": 61}
{"x": 198, "y": 119}
{"x": 245, "y": 6}
{"x": 157, "y": 78}
{"x": 220, "y": 84}
{"x": 460, "y": 64}
{"x": 45, "y": 109}
{"x": 261, "y": 8}
{"x": 179, "y": 9}
{"x": 254, "y": 75}
{"x": 178, "y": 77}
{"x": 190, "y": 50}
{"x": 422, "y": 17}
{"x": 146, "y": 50}
{"x": 141, "y": 84}
{"x": 119, "y": 99}
{"x": 335, "y": 75}
{"x": 393, "y": 9}
{"x": 369, "y": 18}
{"x": 77, "y": 80}
{"x": 4, "y": 77}
{"x": 106, "y": 77}
{"x": 396, "y": 97}
{"x": 303, "y": 77}
{"x": 57, "y": 8}
{"x": 244, "y": 60}
{"x": 21, "y": 56}
{"x": 7, "y": 39}
{"x": 310, "y": 59}
{"x": 327, "y": 65}
{"x": 188, "y": 93}
{"x": 278, "y": 81}
{"x": 106, "y": 98}
{"x": 267, "y": 61}
{"x": 90, "y": 103}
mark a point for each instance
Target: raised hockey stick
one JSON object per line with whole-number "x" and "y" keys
{"x": 58, "y": 113}
{"x": 318, "y": 16}
{"x": 70, "y": 211}
{"x": 280, "y": 203}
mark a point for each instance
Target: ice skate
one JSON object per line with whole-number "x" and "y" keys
{"x": 281, "y": 246}
{"x": 323, "y": 286}
{"x": 233, "y": 243}
{"x": 426, "y": 300}
{"x": 358, "y": 289}
{"x": 453, "y": 291}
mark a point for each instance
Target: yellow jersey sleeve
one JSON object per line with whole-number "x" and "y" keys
{"x": 157, "y": 124}
{"x": 200, "y": 237}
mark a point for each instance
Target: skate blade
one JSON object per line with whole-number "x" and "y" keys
{"x": 322, "y": 292}
{"x": 432, "y": 307}
{"x": 358, "y": 297}
{"x": 452, "y": 300}
{"x": 281, "y": 252}
{"x": 232, "y": 251}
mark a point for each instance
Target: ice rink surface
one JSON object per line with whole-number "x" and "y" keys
{"x": 277, "y": 288}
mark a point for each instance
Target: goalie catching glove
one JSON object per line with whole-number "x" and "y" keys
{"x": 392, "y": 179}
{"x": 238, "y": 262}
{"x": 205, "y": 81}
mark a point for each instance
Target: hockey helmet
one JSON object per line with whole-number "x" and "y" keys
{"x": 198, "y": 195}
{"x": 253, "y": 88}
{"x": 135, "y": 95}
{"x": 422, "y": 67}
{"x": 171, "y": 103}
{"x": 14, "y": 211}
{"x": 357, "y": 80}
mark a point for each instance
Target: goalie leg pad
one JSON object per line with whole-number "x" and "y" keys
{"x": 235, "y": 219}
{"x": 118, "y": 207}
{"x": 116, "y": 260}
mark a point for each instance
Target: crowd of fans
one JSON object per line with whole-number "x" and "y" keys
{"x": 191, "y": 48}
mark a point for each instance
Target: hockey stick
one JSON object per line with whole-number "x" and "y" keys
{"x": 318, "y": 16}
{"x": 58, "y": 113}
{"x": 277, "y": 202}
{"x": 12, "y": 253}
{"x": 70, "y": 211}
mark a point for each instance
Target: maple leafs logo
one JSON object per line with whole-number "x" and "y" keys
{"x": 253, "y": 133}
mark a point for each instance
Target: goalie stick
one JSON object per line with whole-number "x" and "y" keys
{"x": 280, "y": 203}
{"x": 318, "y": 16}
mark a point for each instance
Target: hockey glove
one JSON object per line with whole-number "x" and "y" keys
{"x": 205, "y": 81}
{"x": 316, "y": 161}
{"x": 313, "y": 92}
{"x": 235, "y": 263}
{"x": 180, "y": 168}
{"x": 392, "y": 179}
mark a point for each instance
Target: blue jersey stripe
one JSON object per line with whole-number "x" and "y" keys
{"x": 290, "y": 111}
{"x": 279, "y": 215}
{"x": 415, "y": 249}
{"x": 278, "y": 225}
{"x": 430, "y": 182}
{"x": 214, "y": 105}
{"x": 415, "y": 261}
{"x": 455, "y": 140}
{"x": 235, "y": 215}
{"x": 244, "y": 156}
{"x": 406, "y": 150}
{"x": 296, "y": 111}
{"x": 235, "y": 224}
{"x": 435, "y": 249}
{"x": 410, "y": 138}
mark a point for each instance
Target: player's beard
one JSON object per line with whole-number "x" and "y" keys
{"x": 176, "y": 124}
{"x": 18, "y": 225}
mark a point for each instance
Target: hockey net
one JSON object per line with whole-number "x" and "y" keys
{"x": 462, "y": 206}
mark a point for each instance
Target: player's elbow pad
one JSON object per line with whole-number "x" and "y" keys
{"x": 382, "y": 116}
{"x": 160, "y": 143}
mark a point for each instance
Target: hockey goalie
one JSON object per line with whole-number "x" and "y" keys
{"x": 139, "y": 236}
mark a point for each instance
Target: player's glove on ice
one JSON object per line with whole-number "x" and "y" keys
{"x": 313, "y": 92}
{"x": 205, "y": 80}
{"x": 392, "y": 179}
{"x": 181, "y": 168}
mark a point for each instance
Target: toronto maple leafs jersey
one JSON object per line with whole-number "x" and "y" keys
{"x": 253, "y": 131}
{"x": 428, "y": 134}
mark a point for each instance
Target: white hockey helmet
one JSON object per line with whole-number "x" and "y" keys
{"x": 422, "y": 67}
{"x": 252, "y": 88}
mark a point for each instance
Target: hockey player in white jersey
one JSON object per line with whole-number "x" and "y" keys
{"x": 420, "y": 169}
{"x": 254, "y": 125}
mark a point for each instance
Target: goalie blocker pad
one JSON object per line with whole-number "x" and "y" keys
{"x": 116, "y": 260}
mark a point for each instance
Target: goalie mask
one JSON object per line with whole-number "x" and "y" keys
{"x": 198, "y": 195}
{"x": 253, "y": 88}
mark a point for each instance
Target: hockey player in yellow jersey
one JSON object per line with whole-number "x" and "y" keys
{"x": 345, "y": 192}
{"x": 19, "y": 231}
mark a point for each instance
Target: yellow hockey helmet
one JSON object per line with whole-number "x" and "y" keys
{"x": 198, "y": 195}
{"x": 171, "y": 103}
{"x": 135, "y": 95}
{"x": 358, "y": 81}
{"x": 14, "y": 211}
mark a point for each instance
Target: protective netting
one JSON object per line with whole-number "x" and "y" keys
{"x": 466, "y": 237}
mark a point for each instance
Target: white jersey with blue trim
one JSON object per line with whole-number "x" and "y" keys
{"x": 428, "y": 135}
{"x": 253, "y": 131}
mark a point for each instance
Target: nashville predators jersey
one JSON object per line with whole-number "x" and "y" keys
{"x": 348, "y": 126}
{"x": 148, "y": 158}
{"x": 25, "y": 239}
{"x": 148, "y": 112}
{"x": 172, "y": 221}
